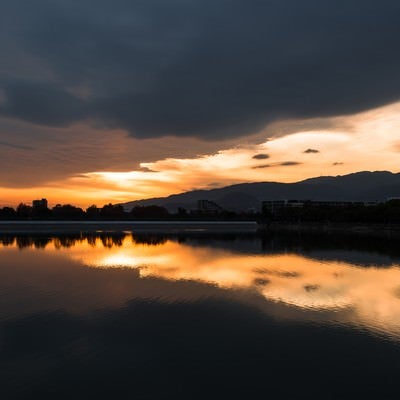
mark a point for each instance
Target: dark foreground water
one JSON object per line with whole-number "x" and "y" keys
{"x": 232, "y": 317}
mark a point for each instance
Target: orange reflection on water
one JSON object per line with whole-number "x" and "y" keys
{"x": 370, "y": 295}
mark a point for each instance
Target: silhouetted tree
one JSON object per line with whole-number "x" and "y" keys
{"x": 67, "y": 211}
{"x": 24, "y": 211}
{"x": 93, "y": 212}
{"x": 149, "y": 212}
{"x": 7, "y": 213}
{"x": 110, "y": 211}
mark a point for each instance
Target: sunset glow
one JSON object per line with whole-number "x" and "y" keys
{"x": 349, "y": 146}
{"x": 199, "y": 199}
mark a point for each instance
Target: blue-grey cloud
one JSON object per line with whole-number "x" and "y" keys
{"x": 289, "y": 163}
{"x": 278, "y": 164}
{"x": 41, "y": 103}
{"x": 260, "y": 156}
{"x": 209, "y": 68}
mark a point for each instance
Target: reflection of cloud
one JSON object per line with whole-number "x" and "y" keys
{"x": 260, "y": 282}
{"x": 371, "y": 294}
{"x": 311, "y": 288}
{"x": 282, "y": 274}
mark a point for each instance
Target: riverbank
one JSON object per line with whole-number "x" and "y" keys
{"x": 127, "y": 226}
{"x": 376, "y": 230}
{"x": 179, "y": 226}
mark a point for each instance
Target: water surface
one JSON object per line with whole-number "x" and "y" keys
{"x": 194, "y": 317}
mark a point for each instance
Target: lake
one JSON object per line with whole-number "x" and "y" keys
{"x": 199, "y": 316}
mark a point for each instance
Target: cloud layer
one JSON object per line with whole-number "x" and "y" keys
{"x": 88, "y": 167}
{"x": 210, "y": 68}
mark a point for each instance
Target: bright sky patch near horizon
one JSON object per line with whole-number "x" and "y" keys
{"x": 149, "y": 100}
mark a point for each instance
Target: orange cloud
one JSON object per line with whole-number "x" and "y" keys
{"x": 365, "y": 141}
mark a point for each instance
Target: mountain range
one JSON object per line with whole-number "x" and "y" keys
{"x": 360, "y": 186}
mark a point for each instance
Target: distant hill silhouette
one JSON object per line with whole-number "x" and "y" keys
{"x": 360, "y": 186}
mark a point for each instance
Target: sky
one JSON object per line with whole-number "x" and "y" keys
{"x": 106, "y": 101}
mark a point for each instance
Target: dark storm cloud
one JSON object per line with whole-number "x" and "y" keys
{"x": 311, "y": 151}
{"x": 212, "y": 68}
{"x": 260, "y": 156}
{"x": 44, "y": 103}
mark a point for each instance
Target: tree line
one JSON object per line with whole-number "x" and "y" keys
{"x": 70, "y": 212}
{"x": 388, "y": 212}
{"x": 109, "y": 212}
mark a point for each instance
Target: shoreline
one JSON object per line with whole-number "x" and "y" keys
{"x": 371, "y": 230}
{"x": 178, "y": 226}
{"x": 43, "y": 227}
